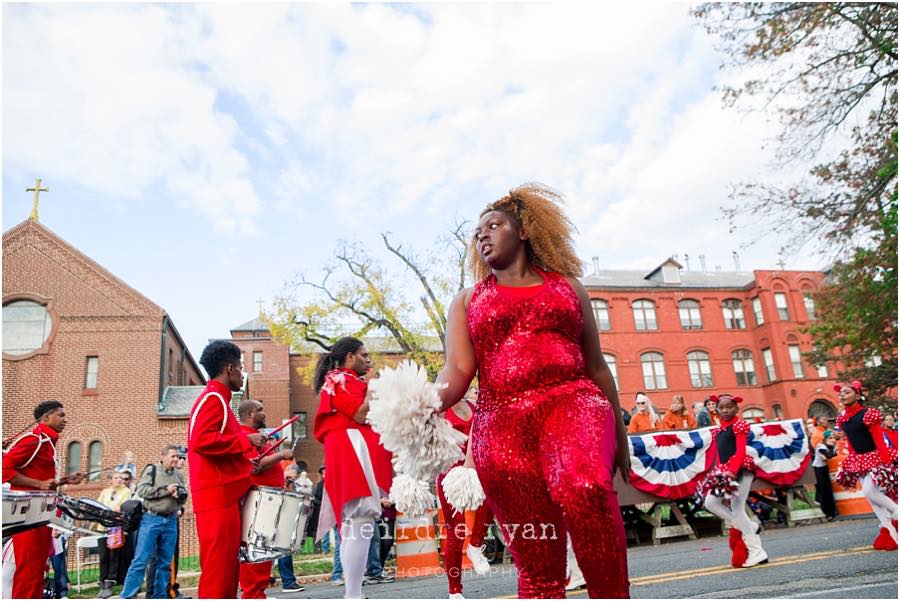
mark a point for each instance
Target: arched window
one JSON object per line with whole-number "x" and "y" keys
{"x": 733, "y": 311}
{"x": 601, "y": 313}
{"x": 611, "y": 362}
{"x": 698, "y": 365}
{"x": 752, "y": 414}
{"x": 777, "y": 411}
{"x": 654, "y": 371}
{"x": 644, "y": 314}
{"x": 781, "y": 303}
{"x": 742, "y": 360}
{"x": 73, "y": 457}
{"x": 821, "y": 408}
{"x": 26, "y": 326}
{"x": 809, "y": 304}
{"x": 689, "y": 312}
{"x": 95, "y": 455}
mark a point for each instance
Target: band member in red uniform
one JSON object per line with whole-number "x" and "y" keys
{"x": 359, "y": 467}
{"x": 460, "y": 417}
{"x": 219, "y": 470}
{"x": 868, "y": 450}
{"x": 548, "y": 434}
{"x": 733, "y": 460}
{"x": 255, "y": 576}
{"x": 30, "y": 464}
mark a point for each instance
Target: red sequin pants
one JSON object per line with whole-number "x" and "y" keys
{"x": 545, "y": 463}
{"x": 455, "y": 535}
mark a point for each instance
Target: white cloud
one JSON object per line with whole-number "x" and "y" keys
{"x": 109, "y": 98}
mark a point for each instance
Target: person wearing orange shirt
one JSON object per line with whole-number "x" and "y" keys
{"x": 677, "y": 417}
{"x": 644, "y": 419}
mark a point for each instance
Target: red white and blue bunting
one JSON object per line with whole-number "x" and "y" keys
{"x": 671, "y": 464}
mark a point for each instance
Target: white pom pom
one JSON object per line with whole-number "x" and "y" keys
{"x": 404, "y": 411}
{"x": 462, "y": 489}
{"x": 412, "y": 497}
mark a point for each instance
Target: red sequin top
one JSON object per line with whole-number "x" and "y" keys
{"x": 526, "y": 345}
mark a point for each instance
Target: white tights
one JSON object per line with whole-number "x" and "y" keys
{"x": 735, "y": 513}
{"x": 355, "y": 537}
{"x": 882, "y": 505}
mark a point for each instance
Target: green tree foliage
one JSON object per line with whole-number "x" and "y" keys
{"x": 829, "y": 70}
{"x": 358, "y": 297}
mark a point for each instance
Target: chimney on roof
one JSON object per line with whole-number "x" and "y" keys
{"x": 702, "y": 262}
{"x": 596, "y": 261}
{"x": 687, "y": 262}
{"x": 737, "y": 260}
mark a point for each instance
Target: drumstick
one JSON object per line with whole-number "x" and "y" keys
{"x": 278, "y": 442}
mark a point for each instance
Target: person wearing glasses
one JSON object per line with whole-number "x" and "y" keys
{"x": 644, "y": 418}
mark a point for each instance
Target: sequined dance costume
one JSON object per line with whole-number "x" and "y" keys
{"x": 868, "y": 451}
{"x": 544, "y": 438}
{"x": 731, "y": 449}
{"x": 455, "y": 521}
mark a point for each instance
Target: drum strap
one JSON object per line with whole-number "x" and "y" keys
{"x": 200, "y": 406}
{"x": 42, "y": 438}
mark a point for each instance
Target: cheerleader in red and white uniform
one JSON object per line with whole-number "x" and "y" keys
{"x": 733, "y": 464}
{"x": 359, "y": 467}
{"x": 870, "y": 461}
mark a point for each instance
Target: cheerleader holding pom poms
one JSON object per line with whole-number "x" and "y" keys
{"x": 727, "y": 485}
{"x": 871, "y": 461}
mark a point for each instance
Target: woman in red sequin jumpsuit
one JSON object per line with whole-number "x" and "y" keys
{"x": 868, "y": 450}
{"x": 455, "y": 521}
{"x": 548, "y": 435}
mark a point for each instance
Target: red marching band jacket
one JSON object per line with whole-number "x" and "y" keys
{"x": 219, "y": 468}
{"x": 33, "y": 455}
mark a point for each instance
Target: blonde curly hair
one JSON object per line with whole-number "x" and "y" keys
{"x": 537, "y": 210}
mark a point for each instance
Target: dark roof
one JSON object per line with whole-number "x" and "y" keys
{"x": 610, "y": 278}
{"x": 254, "y": 325}
{"x": 178, "y": 400}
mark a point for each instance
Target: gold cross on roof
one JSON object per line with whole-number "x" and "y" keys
{"x": 37, "y": 189}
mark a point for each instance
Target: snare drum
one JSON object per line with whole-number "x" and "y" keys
{"x": 71, "y": 510}
{"x": 26, "y": 509}
{"x": 273, "y": 523}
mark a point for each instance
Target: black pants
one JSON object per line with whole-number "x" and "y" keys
{"x": 386, "y": 529}
{"x": 110, "y": 560}
{"x": 824, "y": 494}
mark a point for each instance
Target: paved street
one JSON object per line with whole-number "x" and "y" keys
{"x": 833, "y": 560}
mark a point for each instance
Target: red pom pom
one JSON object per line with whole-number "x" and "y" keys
{"x": 845, "y": 478}
{"x": 718, "y": 484}
{"x": 885, "y": 477}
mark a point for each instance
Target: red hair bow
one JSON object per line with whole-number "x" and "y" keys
{"x": 715, "y": 397}
{"x": 855, "y": 385}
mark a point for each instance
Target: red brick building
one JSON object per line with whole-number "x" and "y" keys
{"x": 673, "y": 331}
{"x": 74, "y": 332}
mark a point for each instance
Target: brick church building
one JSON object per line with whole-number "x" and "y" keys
{"x": 74, "y": 332}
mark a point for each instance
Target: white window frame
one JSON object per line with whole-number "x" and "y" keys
{"x": 647, "y": 310}
{"x": 757, "y": 310}
{"x": 689, "y": 314}
{"x": 781, "y": 303}
{"x": 653, "y": 367}
{"x": 769, "y": 362}
{"x": 796, "y": 360}
{"x": 700, "y": 369}
{"x": 733, "y": 313}
{"x": 600, "y": 309}
{"x": 740, "y": 367}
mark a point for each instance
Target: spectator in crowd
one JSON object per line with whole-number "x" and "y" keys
{"x": 708, "y": 416}
{"x": 644, "y": 418}
{"x": 761, "y": 509}
{"x": 626, "y": 417}
{"x": 174, "y": 590}
{"x": 375, "y": 573}
{"x": 162, "y": 488}
{"x": 677, "y": 417}
{"x": 825, "y": 450}
{"x": 127, "y": 465}
{"x": 60, "y": 578}
{"x": 889, "y": 422}
{"x": 815, "y": 431}
{"x": 110, "y": 547}
{"x": 388, "y": 525}
{"x": 294, "y": 481}
{"x": 313, "y": 522}
{"x": 696, "y": 408}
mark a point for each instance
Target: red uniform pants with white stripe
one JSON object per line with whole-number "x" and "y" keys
{"x": 219, "y": 534}
{"x": 255, "y": 579}
{"x": 30, "y": 550}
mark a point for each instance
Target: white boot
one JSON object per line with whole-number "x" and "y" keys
{"x": 479, "y": 561}
{"x": 755, "y": 553}
{"x": 574, "y": 577}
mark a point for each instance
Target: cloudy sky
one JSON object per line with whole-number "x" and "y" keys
{"x": 225, "y": 147}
